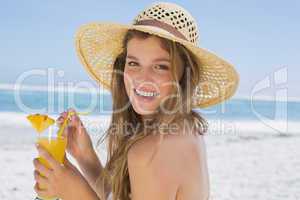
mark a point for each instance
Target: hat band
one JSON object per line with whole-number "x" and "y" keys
{"x": 162, "y": 25}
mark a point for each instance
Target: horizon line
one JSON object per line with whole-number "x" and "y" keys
{"x": 101, "y": 90}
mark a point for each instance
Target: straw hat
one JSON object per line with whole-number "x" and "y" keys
{"x": 98, "y": 44}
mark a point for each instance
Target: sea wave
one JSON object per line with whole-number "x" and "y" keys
{"x": 14, "y": 127}
{"x": 45, "y": 88}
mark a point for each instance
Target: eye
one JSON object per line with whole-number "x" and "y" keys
{"x": 132, "y": 63}
{"x": 163, "y": 67}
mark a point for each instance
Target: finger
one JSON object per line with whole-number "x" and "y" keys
{"x": 69, "y": 132}
{"x": 41, "y": 192}
{"x": 71, "y": 140}
{"x": 59, "y": 121}
{"x": 63, "y": 114}
{"x": 81, "y": 128}
{"x": 61, "y": 117}
{"x": 65, "y": 132}
{"x": 52, "y": 162}
{"x": 69, "y": 117}
{"x": 73, "y": 120}
{"x": 72, "y": 111}
{"x": 40, "y": 179}
{"x": 75, "y": 124}
{"x": 41, "y": 168}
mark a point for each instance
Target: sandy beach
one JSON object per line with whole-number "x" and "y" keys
{"x": 241, "y": 166}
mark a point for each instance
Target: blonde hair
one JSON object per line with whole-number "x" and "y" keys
{"x": 115, "y": 174}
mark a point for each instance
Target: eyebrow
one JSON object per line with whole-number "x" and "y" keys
{"x": 156, "y": 59}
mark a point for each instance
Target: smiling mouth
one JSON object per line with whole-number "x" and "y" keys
{"x": 145, "y": 94}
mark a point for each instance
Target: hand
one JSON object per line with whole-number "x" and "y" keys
{"x": 79, "y": 142}
{"x": 80, "y": 146}
{"x": 59, "y": 180}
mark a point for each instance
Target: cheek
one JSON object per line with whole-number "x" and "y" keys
{"x": 127, "y": 78}
{"x": 165, "y": 86}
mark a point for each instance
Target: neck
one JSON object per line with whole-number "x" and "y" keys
{"x": 148, "y": 117}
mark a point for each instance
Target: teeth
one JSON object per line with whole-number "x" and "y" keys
{"x": 147, "y": 94}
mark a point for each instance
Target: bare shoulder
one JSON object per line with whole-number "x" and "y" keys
{"x": 176, "y": 160}
{"x": 168, "y": 149}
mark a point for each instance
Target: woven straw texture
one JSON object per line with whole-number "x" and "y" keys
{"x": 98, "y": 44}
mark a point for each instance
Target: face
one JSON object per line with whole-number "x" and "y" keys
{"x": 147, "y": 74}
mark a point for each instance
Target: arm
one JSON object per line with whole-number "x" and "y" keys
{"x": 91, "y": 167}
{"x": 80, "y": 147}
{"x": 84, "y": 191}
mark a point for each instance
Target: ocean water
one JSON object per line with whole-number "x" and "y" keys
{"x": 253, "y": 146}
{"x": 237, "y": 119}
{"x": 56, "y": 102}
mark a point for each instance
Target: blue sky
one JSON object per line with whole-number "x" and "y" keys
{"x": 258, "y": 37}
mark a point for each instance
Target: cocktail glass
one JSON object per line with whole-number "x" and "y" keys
{"x": 55, "y": 144}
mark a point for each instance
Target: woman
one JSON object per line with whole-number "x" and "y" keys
{"x": 157, "y": 74}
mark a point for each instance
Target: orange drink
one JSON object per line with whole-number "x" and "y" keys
{"x": 56, "y": 146}
{"x": 51, "y": 139}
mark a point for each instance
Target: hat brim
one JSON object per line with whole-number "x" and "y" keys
{"x": 98, "y": 44}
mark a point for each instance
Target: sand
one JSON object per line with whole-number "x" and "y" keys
{"x": 242, "y": 166}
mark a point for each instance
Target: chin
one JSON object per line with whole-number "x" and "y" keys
{"x": 144, "y": 110}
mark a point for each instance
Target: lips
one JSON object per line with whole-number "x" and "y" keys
{"x": 144, "y": 90}
{"x": 144, "y": 93}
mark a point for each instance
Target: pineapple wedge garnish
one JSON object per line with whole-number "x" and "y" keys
{"x": 40, "y": 122}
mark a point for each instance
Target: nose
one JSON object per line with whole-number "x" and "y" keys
{"x": 145, "y": 75}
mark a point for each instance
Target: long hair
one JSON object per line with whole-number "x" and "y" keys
{"x": 127, "y": 127}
